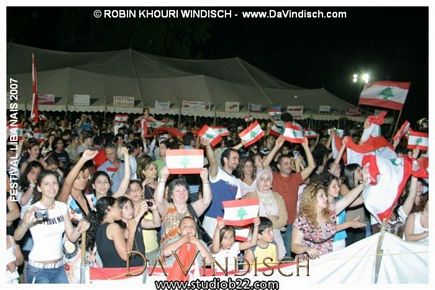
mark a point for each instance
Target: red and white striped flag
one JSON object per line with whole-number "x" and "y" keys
{"x": 388, "y": 179}
{"x": 251, "y": 134}
{"x": 293, "y": 133}
{"x": 210, "y": 134}
{"x": 221, "y": 130}
{"x": 310, "y": 133}
{"x": 402, "y": 131}
{"x": 277, "y": 129}
{"x": 241, "y": 212}
{"x": 121, "y": 118}
{"x": 156, "y": 124}
{"x": 385, "y": 94}
{"x": 34, "y": 115}
{"x": 338, "y": 132}
{"x": 378, "y": 146}
{"x": 336, "y": 145}
{"x": 248, "y": 118}
{"x": 418, "y": 140}
{"x": 185, "y": 161}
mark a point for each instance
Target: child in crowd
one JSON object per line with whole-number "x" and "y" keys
{"x": 225, "y": 249}
{"x": 265, "y": 253}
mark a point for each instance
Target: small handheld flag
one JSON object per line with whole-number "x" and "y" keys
{"x": 210, "y": 134}
{"x": 251, "y": 134}
{"x": 185, "y": 161}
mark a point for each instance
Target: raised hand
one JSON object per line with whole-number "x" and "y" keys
{"x": 204, "y": 175}
{"x": 89, "y": 155}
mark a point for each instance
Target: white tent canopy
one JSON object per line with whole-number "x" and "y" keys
{"x": 149, "y": 78}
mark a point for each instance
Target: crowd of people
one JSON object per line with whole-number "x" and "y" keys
{"x": 81, "y": 182}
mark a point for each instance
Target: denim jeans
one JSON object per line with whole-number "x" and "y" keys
{"x": 46, "y": 275}
{"x": 287, "y": 237}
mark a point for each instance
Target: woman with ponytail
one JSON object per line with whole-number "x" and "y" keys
{"x": 108, "y": 235}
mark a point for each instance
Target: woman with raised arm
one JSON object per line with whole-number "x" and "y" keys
{"x": 73, "y": 189}
{"x": 176, "y": 207}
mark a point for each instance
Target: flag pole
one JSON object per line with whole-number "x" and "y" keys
{"x": 395, "y": 126}
{"x": 379, "y": 251}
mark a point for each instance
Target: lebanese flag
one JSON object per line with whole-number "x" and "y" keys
{"x": 418, "y": 140}
{"x": 293, "y": 133}
{"x": 144, "y": 125}
{"x": 172, "y": 131}
{"x": 338, "y": 132}
{"x": 378, "y": 146}
{"x": 121, "y": 118}
{"x": 210, "y": 134}
{"x": 242, "y": 234}
{"x": 156, "y": 124}
{"x": 135, "y": 274}
{"x": 374, "y": 130}
{"x": 275, "y": 111}
{"x": 241, "y": 212}
{"x": 402, "y": 131}
{"x": 251, "y": 134}
{"x": 336, "y": 145}
{"x": 222, "y": 131}
{"x": 277, "y": 129}
{"x": 34, "y": 115}
{"x": 385, "y": 94}
{"x": 388, "y": 179}
{"x": 310, "y": 133}
{"x": 186, "y": 255}
{"x": 185, "y": 161}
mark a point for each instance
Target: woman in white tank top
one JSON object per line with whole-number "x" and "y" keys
{"x": 417, "y": 225}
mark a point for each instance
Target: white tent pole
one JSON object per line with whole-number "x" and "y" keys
{"x": 137, "y": 78}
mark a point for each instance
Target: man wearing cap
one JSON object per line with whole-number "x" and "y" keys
{"x": 223, "y": 183}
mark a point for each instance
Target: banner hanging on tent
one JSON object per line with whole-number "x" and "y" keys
{"x": 232, "y": 106}
{"x": 46, "y": 99}
{"x": 162, "y": 107}
{"x": 123, "y": 101}
{"x": 196, "y": 105}
{"x": 255, "y": 108}
{"x": 82, "y": 100}
{"x": 296, "y": 111}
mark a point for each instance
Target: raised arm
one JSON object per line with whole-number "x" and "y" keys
{"x": 340, "y": 155}
{"x": 202, "y": 204}
{"x": 311, "y": 164}
{"x": 216, "y": 244}
{"x": 72, "y": 175}
{"x": 252, "y": 242}
{"x": 278, "y": 144}
{"x": 126, "y": 179}
{"x": 348, "y": 198}
{"x": 213, "y": 168}
{"x": 409, "y": 202}
{"x": 159, "y": 194}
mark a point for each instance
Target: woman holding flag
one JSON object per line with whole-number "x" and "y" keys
{"x": 176, "y": 207}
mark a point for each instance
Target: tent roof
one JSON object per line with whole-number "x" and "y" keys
{"x": 148, "y": 78}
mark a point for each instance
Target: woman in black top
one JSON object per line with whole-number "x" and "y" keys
{"x": 108, "y": 235}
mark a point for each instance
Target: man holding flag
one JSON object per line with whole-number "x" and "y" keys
{"x": 223, "y": 183}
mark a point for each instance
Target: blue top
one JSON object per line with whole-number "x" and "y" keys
{"x": 341, "y": 218}
{"x": 115, "y": 176}
{"x": 223, "y": 187}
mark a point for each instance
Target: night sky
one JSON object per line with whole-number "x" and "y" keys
{"x": 390, "y": 43}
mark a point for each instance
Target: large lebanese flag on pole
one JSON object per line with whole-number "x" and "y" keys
{"x": 252, "y": 134}
{"x": 418, "y": 140}
{"x": 385, "y": 94}
{"x": 242, "y": 212}
{"x": 388, "y": 179}
{"x": 185, "y": 161}
{"x": 34, "y": 115}
{"x": 378, "y": 146}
